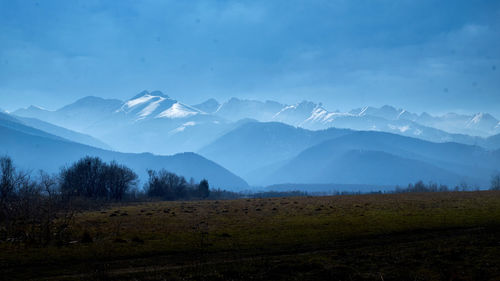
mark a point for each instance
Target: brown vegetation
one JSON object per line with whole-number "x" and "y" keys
{"x": 412, "y": 236}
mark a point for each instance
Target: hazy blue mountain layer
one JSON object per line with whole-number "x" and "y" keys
{"x": 34, "y": 149}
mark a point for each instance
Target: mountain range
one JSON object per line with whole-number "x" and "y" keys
{"x": 275, "y": 153}
{"x": 266, "y": 142}
{"x": 306, "y": 114}
{"x": 35, "y": 149}
{"x": 150, "y": 120}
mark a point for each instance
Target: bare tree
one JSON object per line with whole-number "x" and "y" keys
{"x": 7, "y": 179}
{"x": 118, "y": 180}
{"x": 91, "y": 177}
{"x": 495, "y": 181}
{"x": 166, "y": 185}
{"x": 32, "y": 211}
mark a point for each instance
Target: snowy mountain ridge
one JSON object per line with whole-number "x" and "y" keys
{"x": 155, "y": 121}
{"x": 156, "y": 105}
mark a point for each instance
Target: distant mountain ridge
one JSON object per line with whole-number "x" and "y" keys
{"x": 383, "y": 158}
{"x": 275, "y": 153}
{"x": 36, "y": 126}
{"x": 208, "y": 106}
{"x": 148, "y": 122}
{"x": 77, "y": 116}
{"x": 34, "y": 149}
{"x": 154, "y": 122}
{"x": 311, "y": 115}
{"x": 254, "y": 145}
{"x": 302, "y": 143}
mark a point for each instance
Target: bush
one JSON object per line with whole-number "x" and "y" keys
{"x": 91, "y": 177}
{"x": 169, "y": 186}
{"x": 203, "y": 189}
{"x": 166, "y": 185}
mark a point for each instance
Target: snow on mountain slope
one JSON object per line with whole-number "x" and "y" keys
{"x": 483, "y": 122}
{"x": 156, "y": 105}
{"x": 179, "y": 110}
{"x": 480, "y": 124}
{"x": 154, "y": 115}
{"x": 314, "y": 116}
{"x": 154, "y": 122}
{"x": 320, "y": 118}
{"x": 297, "y": 113}
{"x": 449, "y": 127}
{"x": 148, "y": 122}
{"x": 145, "y": 105}
{"x": 387, "y": 112}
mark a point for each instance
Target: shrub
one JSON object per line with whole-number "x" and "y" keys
{"x": 91, "y": 177}
{"x": 169, "y": 186}
{"x": 203, "y": 189}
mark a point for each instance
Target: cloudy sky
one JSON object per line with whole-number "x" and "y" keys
{"x": 423, "y": 55}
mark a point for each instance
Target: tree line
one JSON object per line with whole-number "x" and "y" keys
{"x": 420, "y": 186}
{"x": 39, "y": 209}
{"x": 91, "y": 177}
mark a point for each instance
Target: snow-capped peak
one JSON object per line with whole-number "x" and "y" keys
{"x": 140, "y": 100}
{"x": 144, "y": 97}
{"x": 483, "y": 122}
{"x": 178, "y": 110}
{"x": 142, "y": 105}
{"x": 481, "y": 117}
{"x": 147, "y": 93}
{"x": 156, "y": 105}
{"x": 476, "y": 118}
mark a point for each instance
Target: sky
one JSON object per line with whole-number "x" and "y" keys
{"x": 422, "y": 55}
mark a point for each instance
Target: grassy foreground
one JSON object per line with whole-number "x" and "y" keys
{"x": 414, "y": 236}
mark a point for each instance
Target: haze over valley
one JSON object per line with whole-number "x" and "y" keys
{"x": 242, "y": 144}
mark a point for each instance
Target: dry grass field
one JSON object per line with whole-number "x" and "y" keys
{"x": 413, "y": 236}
